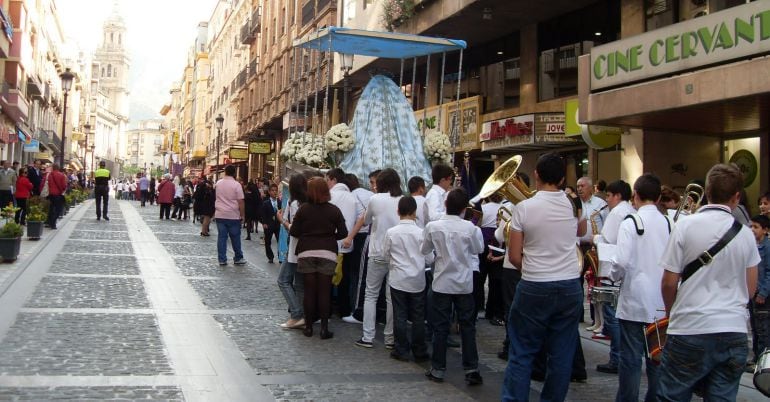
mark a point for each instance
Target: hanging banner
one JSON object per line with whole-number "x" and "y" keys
{"x": 464, "y": 125}
{"x": 427, "y": 118}
{"x": 239, "y": 153}
{"x": 32, "y": 146}
{"x": 259, "y": 147}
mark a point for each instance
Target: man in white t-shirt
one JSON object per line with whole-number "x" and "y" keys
{"x": 443, "y": 176}
{"x": 357, "y": 257}
{"x": 707, "y": 310}
{"x": 618, "y": 195}
{"x": 548, "y": 301}
{"x": 639, "y": 246}
{"x": 416, "y": 186}
{"x": 343, "y": 199}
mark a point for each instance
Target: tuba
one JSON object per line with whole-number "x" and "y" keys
{"x": 691, "y": 199}
{"x": 505, "y": 181}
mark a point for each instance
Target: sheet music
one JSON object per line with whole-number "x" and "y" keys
{"x": 498, "y": 249}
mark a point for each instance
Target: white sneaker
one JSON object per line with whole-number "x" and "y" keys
{"x": 351, "y": 320}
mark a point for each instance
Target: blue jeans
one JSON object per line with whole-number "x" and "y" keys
{"x": 409, "y": 306}
{"x": 632, "y": 350}
{"x": 542, "y": 312}
{"x": 441, "y": 313}
{"x": 231, "y": 228}
{"x": 717, "y": 359}
{"x": 292, "y": 287}
{"x": 612, "y": 329}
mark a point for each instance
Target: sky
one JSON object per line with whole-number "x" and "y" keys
{"x": 160, "y": 33}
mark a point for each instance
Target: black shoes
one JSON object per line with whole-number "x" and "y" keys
{"x": 421, "y": 358}
{"x": 399, "y": 357}
{"x": 432, "y": 377}
{"x": 502, "y": 355}
{"x": 474, "y": 378}
{"x": 106, "y": 218}
{"x": 607, "y": 368}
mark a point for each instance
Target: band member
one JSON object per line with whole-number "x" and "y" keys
{"x": 707, "y": 328}
{"x": 618, "y": 197}
{"x": 590, "y": 204}
{"x": 641, "y": 240}
{"x": 547, "y": 305}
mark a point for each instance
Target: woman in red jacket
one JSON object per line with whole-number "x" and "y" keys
{"x": 23, "y": 188}
{"x": 166, "y": 191}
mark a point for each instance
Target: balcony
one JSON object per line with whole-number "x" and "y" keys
{"x": 255, "y": 22}
{"x": 55, "y": 141}
{"x": 13, "y": 103}
{"x": 253, "y": 67}
{"x": 35, "y": 89}
{"x": 568, "y": 56}
{"x": 247, "y": 35}
{"x": 242, "y": 77}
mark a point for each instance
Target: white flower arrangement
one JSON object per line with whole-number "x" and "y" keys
{"x": 437, "y": 147}
{"x": 292, "y": 145}
{"x": 339, "y": 138}
{"x": 313, "y": 153}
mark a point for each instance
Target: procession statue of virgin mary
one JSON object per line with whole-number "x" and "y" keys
{"x": 386, "y": 134}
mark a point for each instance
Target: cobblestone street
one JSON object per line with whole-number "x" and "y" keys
{"x": 137, "y": 308}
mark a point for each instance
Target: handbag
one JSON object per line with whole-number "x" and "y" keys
{"x": 337, "y": 278}
{"x": 44, "y": 192}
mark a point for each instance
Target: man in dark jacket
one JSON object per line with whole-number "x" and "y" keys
{"x": 35, "y": 175}
{"x": 270, "y": 224}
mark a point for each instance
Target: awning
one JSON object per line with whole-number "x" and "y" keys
{"x": 391, "y": 45}
{"x": 75, "y": 164}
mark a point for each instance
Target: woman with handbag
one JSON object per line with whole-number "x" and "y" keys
{"x": 203, "y": 204}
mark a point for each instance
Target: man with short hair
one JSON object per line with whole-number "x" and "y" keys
{"x": 229, "y": 213}
{"x": 269, "y": 214}
{"x": 144, "y": 187}
{"x": 641, "y": 241}
{"x": 57, "y": 186}
{"x": 618, "y": 197}
{"x": 102, "y": 191}
{"x": 707, "y": 310}
{"x": 417, "y": 190}
{"x": 343, "y": 199}
{"x": 443, "y": 177}
{"x": 7, "y": 181}
{"x": 35, "y": 175}
{"x": 548, "y": 300}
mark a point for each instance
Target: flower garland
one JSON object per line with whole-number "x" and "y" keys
{"x": 437, "y": 147}
{"x": 339, "y": 138}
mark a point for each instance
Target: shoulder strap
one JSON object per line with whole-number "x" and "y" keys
{"x": 637, "y": 223}
{"x": 707, "y": 256}
{"x": 670, "y": 222}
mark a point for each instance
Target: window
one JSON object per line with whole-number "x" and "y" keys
{"x": 109, "y": 70}
{"x": 120, "y": 41}
{"x": 348, "y": 10}
{"x": 112, "y": 37}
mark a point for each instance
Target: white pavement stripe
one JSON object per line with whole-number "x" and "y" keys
{"x": 89, "y": 381}
{"x": 208, "y": 364}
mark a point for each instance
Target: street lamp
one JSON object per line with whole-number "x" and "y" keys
{"x": 220, "y": 121}
{"x": 87, "y": 130}
{"x": 347, "y": 65}
{"x": 66, "y": 85}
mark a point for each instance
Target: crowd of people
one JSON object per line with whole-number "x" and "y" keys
{"x": 423, "y": 263}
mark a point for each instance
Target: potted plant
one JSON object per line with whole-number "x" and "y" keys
{"x": 10, "y": 235}
{"x": 37, "y": 213}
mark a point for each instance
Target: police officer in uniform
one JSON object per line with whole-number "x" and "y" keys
{"x": 102, "y": 191}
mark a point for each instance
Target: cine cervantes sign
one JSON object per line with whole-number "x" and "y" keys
{"x": 730, "y": 34}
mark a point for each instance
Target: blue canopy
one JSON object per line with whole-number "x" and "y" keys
{"x": 390, "y": 45}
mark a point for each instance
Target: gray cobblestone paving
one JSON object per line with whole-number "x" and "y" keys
{"x": 403, "y": 391}
{"x": 99, "y": 235}
{"x": 237, "y": 294}
{"x": 196, "y": 266}
{"x": 160, "y": 393}
{"x": 82, "y": 345}
{"x": 102, "y": 226}
{"x": 191, "y": 249}
{"x": 79, "y": 292}
{"x": 95, "y": 264}
{"x": 98, "y": 247}
{"x": 261, "y": 339}
{"x": 174, "y": 237}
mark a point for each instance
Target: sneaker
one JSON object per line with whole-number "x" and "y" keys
{"x": 351, "y": 320}
{"x": 390, "y": 346}
{"x": 240, "y": 262}
{"x": 474, "y": 378}
{"x": 452, "y": 343}
{"x": 222, "y": 263}
{"x": 432, "y": 377}
{"x": 364, "y": 344}
{"x": 601, "y": 337}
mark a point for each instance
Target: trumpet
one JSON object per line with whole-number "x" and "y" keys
{"x": 691, "y": 199}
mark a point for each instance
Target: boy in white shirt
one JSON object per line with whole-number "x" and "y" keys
{"x": 456, "y": 242}
{"x": 407, "y": 282}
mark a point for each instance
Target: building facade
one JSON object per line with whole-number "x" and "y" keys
{"x": 143, "y": 153}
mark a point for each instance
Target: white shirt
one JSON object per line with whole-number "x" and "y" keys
{"x": 288, "y": 216}
{"x": 548, "y": 223}
{"x": 455, "y": 242}
{"x": 637, "y": 265}
{"x": 434, "y": 203}
{"x": 346, "y": 202}
{"x": 714, "y": 299}
{"x": 502, "y": 238}
{"x": 609, "y": 233}
{"x": 402, "y": 248}
{"x": 362, "y": 201}
{"x": 489, "y": 211}
{"x": 178, "y": 191}
{"x": 420, "y": 201}
{"x": 382, "y": 214}
{"x": 593, "y": 204}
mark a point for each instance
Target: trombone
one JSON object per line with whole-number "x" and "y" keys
{"x": 691, "y": 200}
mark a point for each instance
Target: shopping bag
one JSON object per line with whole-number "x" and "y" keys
{"x": 337, "y": 278}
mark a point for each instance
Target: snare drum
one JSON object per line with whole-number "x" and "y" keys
{"x": 655, "y": 339}
{"x": 762, "y": 373}
{"x": 605, "y": 294}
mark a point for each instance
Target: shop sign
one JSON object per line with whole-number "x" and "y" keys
{"x": 259, "y": 147}
{"x": 32, "y": 146}
{"x": 549, "y": 128}
{"x": 512, "y": 131}
{"x": 465, "y": 125}
{"x": 428, "y": 118}
{"x": 730, "y": 34}
{"x": 44, "y": 156}
{"x": 239, "y": 153}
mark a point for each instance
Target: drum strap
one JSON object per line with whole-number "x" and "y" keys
{"x": 707, "y": 256}
{"x": 639, "y": 225}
